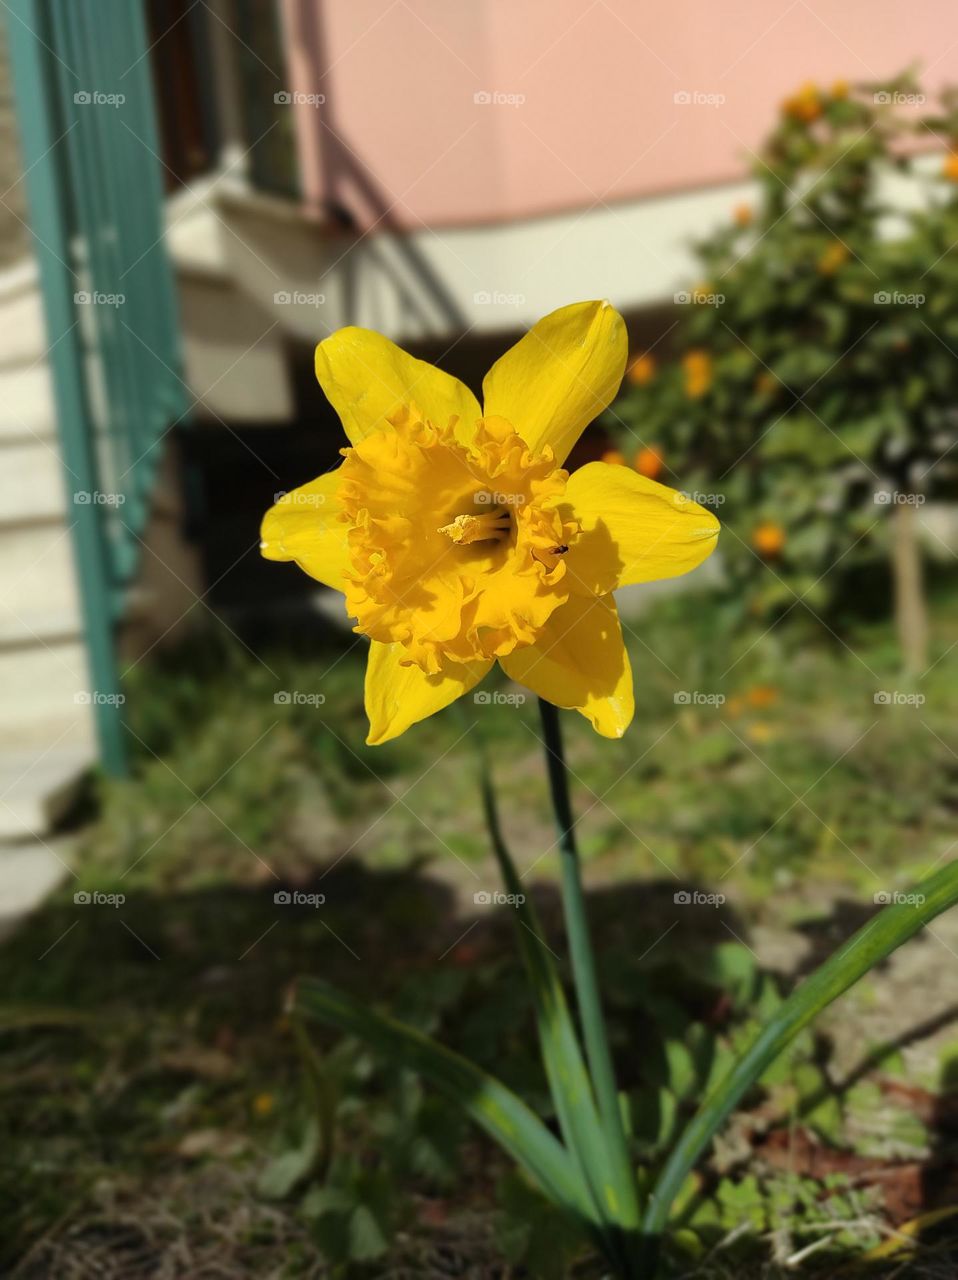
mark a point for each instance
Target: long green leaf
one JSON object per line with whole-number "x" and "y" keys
{"x": 503, "y": 1115}
{"x": 871, "y": 944}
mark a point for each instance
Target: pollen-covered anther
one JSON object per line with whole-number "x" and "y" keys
{"x": 490, "y": 526}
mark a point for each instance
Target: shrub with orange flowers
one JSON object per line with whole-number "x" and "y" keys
{"x": 811, "y": 383}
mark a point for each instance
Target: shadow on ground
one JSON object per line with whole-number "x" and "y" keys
{"x": 147, "y": 1071}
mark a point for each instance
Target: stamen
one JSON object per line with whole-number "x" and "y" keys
{"x": 490, "y": 526}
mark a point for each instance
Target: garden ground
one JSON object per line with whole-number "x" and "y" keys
{"x": 161, "y": 1118}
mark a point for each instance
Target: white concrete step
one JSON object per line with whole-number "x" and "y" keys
{"x": 37, "y": 788}
{"x": 37, "y": 580}
{"x": 32, "y": 484}
{"x": 29, "y": 872}
{"x": 21, "y": 305}
{"x": 44, "y": 693}
{"x": 24, "y": 331}
{"x": 26, "y": 402}
{"x": 234, "y": 353}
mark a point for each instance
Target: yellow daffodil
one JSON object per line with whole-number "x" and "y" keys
{"x": 458, "y": 538}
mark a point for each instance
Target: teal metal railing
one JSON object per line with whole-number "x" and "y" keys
{"x": 91, "y": 159}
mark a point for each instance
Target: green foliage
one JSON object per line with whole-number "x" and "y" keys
{"x": 814, "y": 365}
{"x": 533, "y": 1233}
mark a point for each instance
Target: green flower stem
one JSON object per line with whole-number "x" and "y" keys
{"x": 583, "y": 961}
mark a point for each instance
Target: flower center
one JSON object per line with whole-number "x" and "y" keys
{"x": 489, "y": 527}
{"x": 457, "y": 538}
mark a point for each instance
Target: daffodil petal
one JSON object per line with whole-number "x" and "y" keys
{"x": 367, "y": 379}
{"x": 560, "y": 376}
{"x": 398, "y": 696}
{"x": 579, "y": 661}
{"x": 632, "y": 530}
{"x": 304, "y": 526}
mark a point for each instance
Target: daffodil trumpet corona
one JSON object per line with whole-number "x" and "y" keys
{"x": 459, "y": 538}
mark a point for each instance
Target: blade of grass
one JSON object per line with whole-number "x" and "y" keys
{"x": 871, "y": 944}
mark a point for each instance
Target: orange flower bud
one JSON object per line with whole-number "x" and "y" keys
{"x": 834, "y": 257}
{"x": 698, "y": 373}
{"x": 614, "y": 458}
{"x": 805, "y": 105}
{"x": 642, "y": 370}
{"x": 762, "y": 695}
{"x": 768, "y": 539}
{"x": 648, "y": 463}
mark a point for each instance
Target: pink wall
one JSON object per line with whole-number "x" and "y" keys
{"x": 401, "y": 140}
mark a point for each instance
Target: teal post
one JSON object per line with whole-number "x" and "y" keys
{"x": 94, "y": 180}
{"x": 49, "y": 223}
